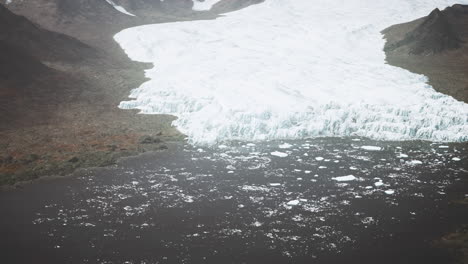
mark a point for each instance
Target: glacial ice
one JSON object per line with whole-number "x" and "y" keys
{"x": 291, "y": 69}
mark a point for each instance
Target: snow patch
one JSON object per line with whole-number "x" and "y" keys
{"x": 121, "y": 9}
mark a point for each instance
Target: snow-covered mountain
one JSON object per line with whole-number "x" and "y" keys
{"x": 291, "y": 69}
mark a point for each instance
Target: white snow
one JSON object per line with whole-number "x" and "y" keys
{"x": 291, "y": 69}
{"x": 203, "y": 5}
{"x": 345, "y": 178}
{"x": 371, "y": 148}
{"x": 121, "y": 9}
{"x": 279, "y": 154}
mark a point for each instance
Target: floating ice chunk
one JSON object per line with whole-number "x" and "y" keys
{"x": 378, "y": 184}
{"x": 322, "y": 167}
{"x": 307, "y": 171}
{"x": 204, "y": 5}
{"x": 353, "y": 168}
{"x": 250, "y": 144}
{"x": 257, "y": 224}
{"x": 188, "y": 199}
{"x": 371, "y": 148}
{"x": 279, "y": 154}
{"x": 401, "y": 155}
{"x": 222, "y": 147}
{"x": 285, "y": 146}
{"x": 389, "y": 191}
{"x": 121, "y": 9}
{"x": 443, "y": 147}
{"x": 275, "y": 184}
{"x": 293, "y": 202}
{"x": 318, "y": 158}
{"x": 415, "y": 162}
{"x": 456, "y": 159}
{"x": 345, "y": 178}
{"x": 252, "y": 188}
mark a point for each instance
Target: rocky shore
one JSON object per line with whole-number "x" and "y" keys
{"x": 62, "y": 77}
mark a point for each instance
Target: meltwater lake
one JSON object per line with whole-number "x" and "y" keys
{"x": 330, "y": 200}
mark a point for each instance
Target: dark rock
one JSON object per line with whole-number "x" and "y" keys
{"x": 8, "y": 160}
{"x": 149, "y": 140}
{"x": 162, "y": 147}
{"x": 30, "y": 158}
{"x": 112, "y": 147}
{"x": 74, "y": 160}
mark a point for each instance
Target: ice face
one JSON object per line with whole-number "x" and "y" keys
{"x": 291, "y": 69}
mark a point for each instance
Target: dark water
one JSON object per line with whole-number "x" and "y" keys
{"x": 241, "y": 204}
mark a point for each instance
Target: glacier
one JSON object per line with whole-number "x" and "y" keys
{"x": 287, "y": 69}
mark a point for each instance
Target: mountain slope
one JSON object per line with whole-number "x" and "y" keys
{"x": 46, "y": 45}
{"x": 29, "y": 88}
{"x": 436, "y": 46}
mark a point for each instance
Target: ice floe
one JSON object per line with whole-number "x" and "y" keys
{"x": 345, "y": 178}
{"x": 279, "y": 154}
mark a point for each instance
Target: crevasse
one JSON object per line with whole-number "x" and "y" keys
{"x": 291, "y": 69}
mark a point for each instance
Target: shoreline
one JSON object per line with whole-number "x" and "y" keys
{"x": 93, "y": 131}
